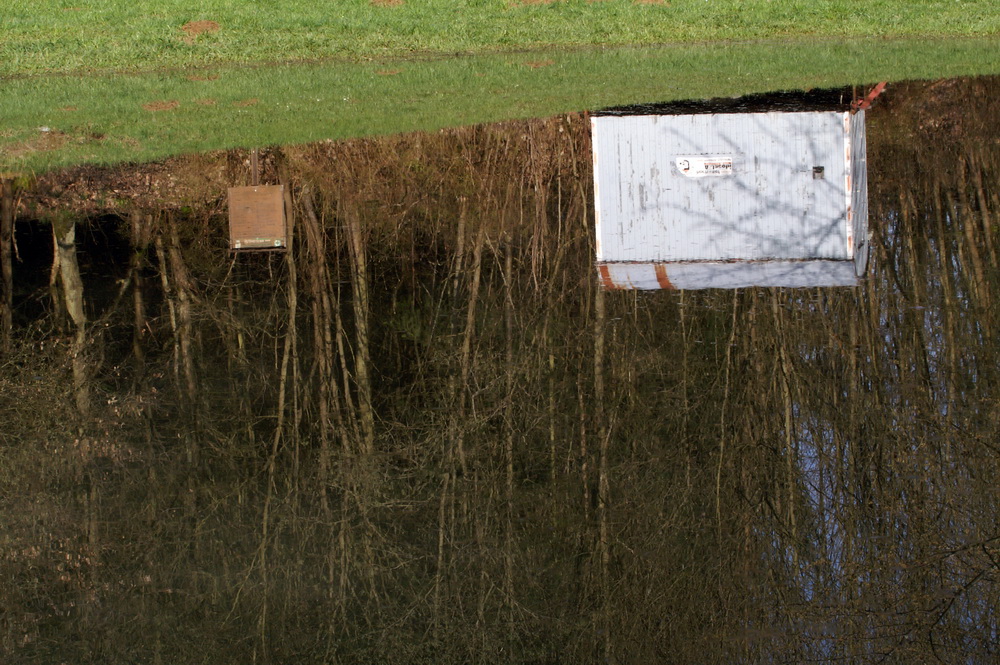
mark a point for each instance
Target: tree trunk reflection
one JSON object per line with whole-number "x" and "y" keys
{"x": 426, "y": 436}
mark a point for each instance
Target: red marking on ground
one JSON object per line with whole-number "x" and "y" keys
{"x": 165, "y": 105}
{"x": 194, "y": 28}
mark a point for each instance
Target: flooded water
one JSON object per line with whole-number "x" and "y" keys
{"x": 426, "y": 435}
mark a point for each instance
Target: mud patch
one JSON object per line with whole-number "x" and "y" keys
{"x": 243, "y": 103}
{"x": 44, "y": 142}
{"x": 163, "y": 105}
{"x": 194, "y": 28}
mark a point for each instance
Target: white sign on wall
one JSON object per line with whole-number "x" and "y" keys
{"x": 704, "y": 166}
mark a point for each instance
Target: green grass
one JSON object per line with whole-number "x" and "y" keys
{"x": 101, "y": 118}
{"x": 88, "y": 70}
{"x": 46, "y": 36}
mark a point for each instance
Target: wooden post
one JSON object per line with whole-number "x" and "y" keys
{"x": 6, "y": 242}
{"x": 64, "y": 237}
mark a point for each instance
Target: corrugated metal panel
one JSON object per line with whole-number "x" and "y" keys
{"x": 728, "y": 275}
{"x": 751, "y": 189}
{"x": 859, "y": 191}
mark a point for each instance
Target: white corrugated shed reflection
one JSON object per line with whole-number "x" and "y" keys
{"x": 730, "y": 200}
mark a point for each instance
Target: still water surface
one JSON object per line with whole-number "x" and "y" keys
{"x": 425, "y": 435}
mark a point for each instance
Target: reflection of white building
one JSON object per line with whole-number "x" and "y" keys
{"x": 716, "y": 200}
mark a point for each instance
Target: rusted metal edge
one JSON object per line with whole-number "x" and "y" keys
{"x": 661, "y": 276}
{"x": 862, "y": 104}
{"x": 812, "y": 259}
{"x": 259, "y": 248}
{"x": 606, "y": 280}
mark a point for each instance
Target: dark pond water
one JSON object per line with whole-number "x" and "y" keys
{"x": 425, "y": 435}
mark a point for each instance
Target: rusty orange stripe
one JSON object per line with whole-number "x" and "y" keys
{"x": 606, "y": 278}
{"x": 661, "y": 276}
{"x": 867, "y": 101}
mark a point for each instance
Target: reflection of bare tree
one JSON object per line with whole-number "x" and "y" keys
{"x": 547, "y": 473}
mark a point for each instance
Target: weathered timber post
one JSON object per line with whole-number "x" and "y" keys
{"x": 6, "y": 242}
{"x": 64, "y": 239}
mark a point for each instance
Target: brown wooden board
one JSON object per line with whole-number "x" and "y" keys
{"x": 257, "y": 217}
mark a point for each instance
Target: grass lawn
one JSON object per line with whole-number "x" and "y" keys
{"x": 109, "y": 81}
{"x": 46, "y": 36}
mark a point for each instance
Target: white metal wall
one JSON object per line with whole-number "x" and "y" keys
{"x": 858, "y": 212}
{"x": 770, "y": 205}
{"x": 734, "y": 275}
